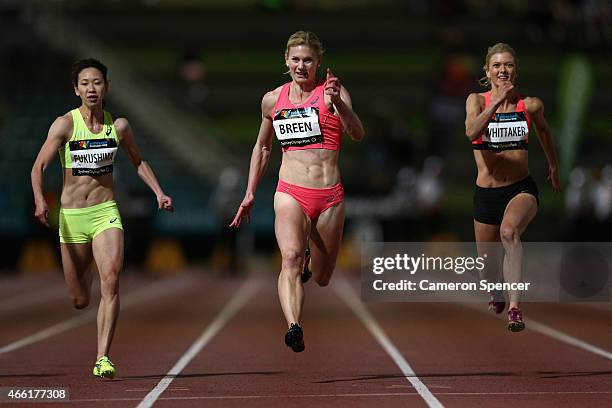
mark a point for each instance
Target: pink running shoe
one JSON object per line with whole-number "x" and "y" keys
{"x": 515, "y": 320}
{"x": 497, "y": 303}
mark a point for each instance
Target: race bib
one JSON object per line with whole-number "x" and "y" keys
{"x": 506, "y": 131}
{"x": 297, "y": 127}
{"x": 93, "y": 157}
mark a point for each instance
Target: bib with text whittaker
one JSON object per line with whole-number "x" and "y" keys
{"x": 506, "y": 131}
{"x": 297, "y": 126}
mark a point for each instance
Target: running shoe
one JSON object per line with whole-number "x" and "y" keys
{"x": 515, "y": 320}
{"x": 497, "y": 303}
{"x": 294, "y": 338}
{"x": 306, "y": 274}
{"x": 104, "y": 368}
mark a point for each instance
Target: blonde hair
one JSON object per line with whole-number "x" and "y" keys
{"x": 305, "y": 38}
{"x": 497, "y": 49}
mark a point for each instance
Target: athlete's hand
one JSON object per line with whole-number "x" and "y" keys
{"x": 41, "y": 212}
{"x": 244, "y": 211}
{"x": 164, "y": 202}
{"x": 553, "y": 178}
{"x": 504, "y": 90}
{"x": 332, "y": 87}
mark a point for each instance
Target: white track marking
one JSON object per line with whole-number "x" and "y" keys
{"x": 240, "y": 298}
{"x": 541, "y": 328}
{"x": 566, "y": 338}
{"x": 347, "y": 294}
{"x": 151, "y": 291}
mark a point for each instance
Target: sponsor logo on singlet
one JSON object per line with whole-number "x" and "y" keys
{"x": 505, "y": 131}
{"x": 92, "y": 157}
{"x": 297, "y": 126}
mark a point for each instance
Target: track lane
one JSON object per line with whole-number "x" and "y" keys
{"x": 248, "y": 363}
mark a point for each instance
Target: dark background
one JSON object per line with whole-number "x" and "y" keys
{"x": 189, "y": 75}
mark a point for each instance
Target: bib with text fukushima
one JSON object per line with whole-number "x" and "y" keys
{"x": 506, "y": 131}
{"x": 93, "y": 157}
{"x": 297, "y": 126}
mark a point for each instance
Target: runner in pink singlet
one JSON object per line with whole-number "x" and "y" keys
{"x": 308, "y": 117}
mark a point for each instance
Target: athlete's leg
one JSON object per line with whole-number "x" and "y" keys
{"x": 291, "y": 226}
{"x": 489, "y": 248}
{"x": 519, "y": 213}
{"x": 325, "y": 240}
{"x": 76, "y": 262}
{"x": 487, "y": 242}
{"x": 108, "y": 254}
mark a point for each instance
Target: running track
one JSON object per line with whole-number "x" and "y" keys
{"x": 193, "y": 340}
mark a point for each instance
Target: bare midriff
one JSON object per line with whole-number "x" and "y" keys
{"x": 312, "y": 168}
{"x": 85, "y": 191}
{"x": 498, "y": 169}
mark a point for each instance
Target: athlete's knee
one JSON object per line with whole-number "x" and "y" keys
{"x": 109, "y": 285}
{"x": 292, "y": 260}
{"x": 509, "y": 234}
{"x": 323, "y": 280}
{"x": 323, "y": 276}
{"x": 79, "y": 302}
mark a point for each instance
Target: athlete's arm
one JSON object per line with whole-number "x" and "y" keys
{"x": 145, "y": 172}
{"x": 58, "y": 134}
{"x": 535, "y": 108}
{"x": 259, "y": 158}
{"x": 477, "y": 118}
{"x": 341, "y": 99}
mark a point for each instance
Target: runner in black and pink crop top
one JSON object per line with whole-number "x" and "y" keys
{"x": 506, "y": 197}
{"x": 310, "y": 125}
{"x": 505, "y": 131}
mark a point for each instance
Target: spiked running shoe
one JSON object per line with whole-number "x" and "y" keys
{"x": 294, "y": 338}
{"x": 104, "y": 368}
{"x": 306, "y": 274}
{"x": 515, "y": 320}
{"x": 497, "y": 303}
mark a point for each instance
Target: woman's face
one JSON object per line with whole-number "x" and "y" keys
{"x": 303, "y": 63}
{"x": 501, "y": 68}
{"x": 91, "y": 87}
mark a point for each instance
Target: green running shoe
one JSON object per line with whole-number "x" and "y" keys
{"x": 104, "y": 368}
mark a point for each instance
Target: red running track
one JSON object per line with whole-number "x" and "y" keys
{"x": 384, "y": 355}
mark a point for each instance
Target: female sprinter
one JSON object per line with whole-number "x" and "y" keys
{"x": 89, "y": 222}
{"x": 308, "y": 117}
{"x": 506, "y": 197}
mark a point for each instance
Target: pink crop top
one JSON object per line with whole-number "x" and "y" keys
{"x": 505, "y": 131}
{"x": 310, "y": 125}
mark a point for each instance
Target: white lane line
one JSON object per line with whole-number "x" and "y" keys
{"x": 26, "y": 299}
{"x": 566, "y": 338}
{"x": 167, "y": 389}
{"x": 151, "y": 291}
{"x": 240, "y": 298}
{"x": 385, "y": 394}
{"x": 538, "y": 327}
{"x": 347, "y": 294}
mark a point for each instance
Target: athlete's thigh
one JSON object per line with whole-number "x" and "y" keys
{"x": 291, "y": 225}
{"x": 520, "y": 211}
{"x": 326, "y": 238}
{"x": 108, "y": 251}
{"x": 76, "y": 259}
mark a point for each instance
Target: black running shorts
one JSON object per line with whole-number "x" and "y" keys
{"x": 490, "y": 203}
